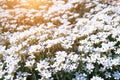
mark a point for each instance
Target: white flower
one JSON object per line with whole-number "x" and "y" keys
{"x": 12, "y": 63}
{"x": 34, "y": 48}
{"x": 116, "y": 75}
{"x": 108, "y": 75}
{"x": 80, "y": 76}
{"x": 118, "y": 51}
{"x": 90, "y": 67}
{"x": 96, "y": 78}
{"x": 73, "y": 57}
{"x": 116, "y": 61}
{"x": 29, "y": 63}
{"x": 93, "y": 58}
{"x": 72, "y": 66}
{"x": 2, "y": 73}
{"x": 46, "y": 74}
{"x": 80, "y": 48}
{"x": 22, "y": 75}
{"x": 60, "y": 56}
{"x": 42, "y": 65}
{"x": 2, "y": 50}
{"x": 107, "y": 47}
{"x": 106, "y": 62}
{"x": 9, "y": 77}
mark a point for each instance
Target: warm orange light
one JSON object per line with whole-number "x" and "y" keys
{"x": 39, "y": 3}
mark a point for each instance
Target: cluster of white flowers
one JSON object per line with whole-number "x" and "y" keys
{"x": 61, "y": 62}
{"x": 59, "y": 40}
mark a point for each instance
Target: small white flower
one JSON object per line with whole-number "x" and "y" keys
{"x": 42, "y": 65}
{"x": 108, "y": 75}
{"x": 90, "y": 66}
{"x": 96, "y": 78}
{"x": 80, "y": 76}
{"x": 73, "y": 57}
{"x": 118, "y": 51}
{"x": 29, "y": 63}
{"x": 46, "y": 74}
{"x": 116, "y": 75}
